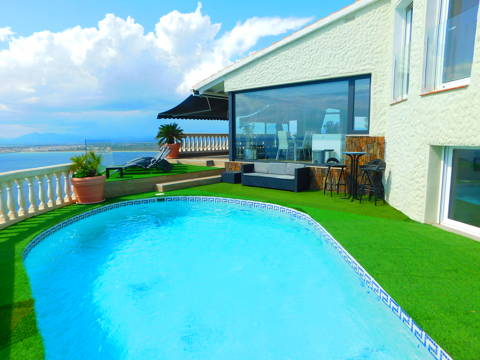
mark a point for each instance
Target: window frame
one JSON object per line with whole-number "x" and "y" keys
{"x": 402, "y": 48}
{"x": 441, "y": 9}
{"x": 350, "y": 111}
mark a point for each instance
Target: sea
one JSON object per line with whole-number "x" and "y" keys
{"x": 28, "y": 160}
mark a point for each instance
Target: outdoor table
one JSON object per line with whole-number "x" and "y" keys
{"x": 353, "y": 178}
{"x": 107, "y": 170}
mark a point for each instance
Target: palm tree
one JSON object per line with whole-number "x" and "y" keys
{"x": 169, "y": 134}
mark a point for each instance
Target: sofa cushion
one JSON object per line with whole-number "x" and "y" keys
{"x": 261, "y": 167}
{"x": 273, "y": 176}
{"x": 290, "y": 168}
{"x": 277, "y": 168}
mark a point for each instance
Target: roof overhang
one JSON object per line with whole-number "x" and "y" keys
{"x": 194, "y": 107}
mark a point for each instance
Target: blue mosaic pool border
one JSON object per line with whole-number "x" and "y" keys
{"x": 432, "y": 347}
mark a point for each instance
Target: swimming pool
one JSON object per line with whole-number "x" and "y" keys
{"x": 210, "y": 278}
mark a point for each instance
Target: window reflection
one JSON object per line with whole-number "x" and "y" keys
{"x": 362, "y": 105}
{"x": 465, "y": 188}
{"x": 304, "y": 123}
{"x": 460, "y": 39}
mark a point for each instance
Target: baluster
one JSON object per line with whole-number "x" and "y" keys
{"x": 41, "y": 193}
{"x": 32, "y": 197}
{"x": 3, "y": 206}
{"x": 195, "y": 143}
{"x": 12, "y": 211}
{"x": 68, "y": 187}
{"x": 50, "y": 200}
{"x": 215, "y": 143}
{"x": 187, "y": 144}
{"x": 22, "y": 205}
{"x": 59, "y": 187}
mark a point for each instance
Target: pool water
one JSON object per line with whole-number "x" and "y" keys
{"x": 203, "y": 280}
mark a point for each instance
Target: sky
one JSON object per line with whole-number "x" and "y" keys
{"x": 104, "y": 69}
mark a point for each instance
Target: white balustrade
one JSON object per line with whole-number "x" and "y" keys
{"x": 32, "y": 196}
{"x": 3, "y": 206}
{"x": 204, "y": 143}
{"x": 22, "y": 207}
{"x": 68, "y": 188}
{"x": 50, "y": 200}
{"x": 28, "y": 192}
{"x": 12, "y": 210}
{"x": 59, "y": 187}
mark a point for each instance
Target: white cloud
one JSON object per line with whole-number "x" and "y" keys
{"x": 118, "y": 66}
{"x": 5, "y": 33}
{"x": 14, "y": 130}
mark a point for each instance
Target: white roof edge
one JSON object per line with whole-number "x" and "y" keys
{"x": 217, "y": 77}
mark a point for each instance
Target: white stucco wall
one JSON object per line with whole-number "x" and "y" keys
{"x": 356, "y": 45}
{"x": 417, "y": 126}
{"x": 415, "y": 130}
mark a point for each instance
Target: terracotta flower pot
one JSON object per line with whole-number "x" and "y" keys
{"x": 89, "y": 190}
{"x": 174, "y": 150}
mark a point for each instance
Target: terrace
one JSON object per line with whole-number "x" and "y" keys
{"x": 414, "y": 262}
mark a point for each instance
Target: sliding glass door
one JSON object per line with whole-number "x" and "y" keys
{"x": 461, "y": 189}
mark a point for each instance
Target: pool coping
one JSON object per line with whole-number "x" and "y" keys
{"x": 423, "y": 338}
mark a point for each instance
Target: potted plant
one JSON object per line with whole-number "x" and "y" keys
{"x": 170, "y": 135}
{"x": 88, "y": 183}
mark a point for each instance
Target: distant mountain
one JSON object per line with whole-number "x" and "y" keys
{"x": 64, "y": 139}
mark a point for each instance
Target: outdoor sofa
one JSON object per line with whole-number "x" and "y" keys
{"x": 282, "y": 176}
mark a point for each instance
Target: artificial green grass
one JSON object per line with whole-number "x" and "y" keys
{"x": 431, "y": 273}
{"x": 131, "y": 174}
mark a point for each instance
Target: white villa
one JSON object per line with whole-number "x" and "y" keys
{"x": 397, "y": 79}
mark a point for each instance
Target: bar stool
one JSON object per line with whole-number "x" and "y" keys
{"x": 331, "y": 182}
{"x": 371, "y": 180}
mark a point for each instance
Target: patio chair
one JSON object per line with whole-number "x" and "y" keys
{"x": 282, "y": 144}
{"x": 305, "y": 148}
{"x": 156, "y": 162}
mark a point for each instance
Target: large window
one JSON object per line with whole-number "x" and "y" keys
{"x": 461, "y": 194}
{"x": 403, "y": 37}
{"x": 304, "y": 123}
{"x": 449, "y": 43}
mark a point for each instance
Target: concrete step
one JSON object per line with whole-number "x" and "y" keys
{"x": 182, "y": 184}
{"x": 217, "y": 162}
